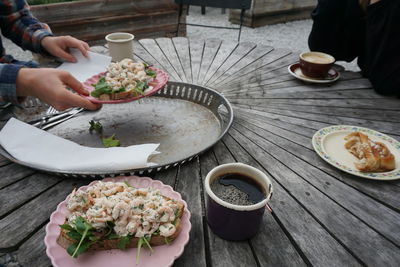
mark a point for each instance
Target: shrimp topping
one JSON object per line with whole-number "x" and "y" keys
{"x": 133, "y": 211}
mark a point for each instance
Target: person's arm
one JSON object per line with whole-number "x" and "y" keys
{"x": 18, "y": 24}
{"x": 8, "y": 77}
{"x": 338, "y": 28}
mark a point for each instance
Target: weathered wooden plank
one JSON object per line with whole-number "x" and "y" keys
{"x": 140, "y": 52}
{"x": 222, "y": 252}
{"x": 34, "y": 214}
{"x": 211, "y": 48}
{"x": 384, "y": 192}
{"x": 375, "y": 104}
{"x": 262, "y": 75}
{"x": 152, "y": 48}
{"x": 33, "y": 252}
{"x": 253, "y": 57}
{"x": 167, "y": 177}
{"x": 353, "y": 233}
{"x": 385, "y": 127}
{"x": 170, "y": 53}
{"x": 311, "y": 238}
{"x": 182, "y": 47}
{"x": 16, "y": 194}
{"x": 386, "y": 116}
{"x": 3, "y": 161}
{"x": 240, "y": 51}
{"x": 296, "y": 121}
{"x": 252, "y": 72}
{"x": 188, "y": 185}
{"x": 296, "y": 89}
{"x": 196, "y": 48}
{"x": 224, "y": 51}
{"x": 12, "y": 173}
{"x": 245, "y": 118}
{"x": 243, "y": 110}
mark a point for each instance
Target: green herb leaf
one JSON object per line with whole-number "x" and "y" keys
{"x": 151, "y": 73}
{"x": 128, "y": 184}
{"x": 122, "y": 89}
{"x": 167, "y": 241}
{"x": 71, "y": 249}
{"x": 101, "y": 87}
{"x": 110, "y": 229}
{"x": 80, "y": 225}
{"x": 140, "y": 87}
{"x": 123, "y": 242}
{"x": 66, "y": 226}
{"x": 74, "y": 235}
{"x": 83, "y": 228}
{"x": 111, "y": 141}
{"x": 146, "y": 240}
{"x": 95, "y": 126}
{"x": 140, "y": 244}
{"x": 82, "y": 248}
{"x": 113, "y": 236}
{"x": 177, "y": 215}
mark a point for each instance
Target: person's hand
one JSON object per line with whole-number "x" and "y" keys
{"x": 49, "y": 85}
{"x": 59, "y": 46}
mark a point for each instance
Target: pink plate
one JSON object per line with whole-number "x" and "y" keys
{"x": 162, "y": 255}
{"x": 159, "y": 82}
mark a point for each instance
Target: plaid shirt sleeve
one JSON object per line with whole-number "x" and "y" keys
{"x": 8, "y": 78}
{"x": 18, "y": 24}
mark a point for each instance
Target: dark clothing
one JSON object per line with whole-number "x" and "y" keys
{"x": 344, "y": 30}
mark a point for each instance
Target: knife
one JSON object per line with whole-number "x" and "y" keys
{"x": 51, "y": 118}
{"x": 53, "y": 122}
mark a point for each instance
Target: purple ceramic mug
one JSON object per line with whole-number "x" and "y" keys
{"x": 230, "y": 221}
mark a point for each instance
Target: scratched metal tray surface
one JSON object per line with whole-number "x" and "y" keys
{"x": 185, "y": 119}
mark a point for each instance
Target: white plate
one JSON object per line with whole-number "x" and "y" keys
{"x": 295, "y": 71}
{"x": 329, "y": 145}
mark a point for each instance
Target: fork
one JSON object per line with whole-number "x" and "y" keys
{"x": 51, "y": 111}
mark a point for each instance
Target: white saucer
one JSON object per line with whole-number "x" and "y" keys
{"x": 295, "y": 71}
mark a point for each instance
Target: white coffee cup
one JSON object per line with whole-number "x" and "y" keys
{"x": 120, "y": 45}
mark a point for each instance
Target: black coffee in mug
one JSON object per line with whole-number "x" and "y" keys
{"x": 237, "y": 196}
{"x": 238, "y": 189}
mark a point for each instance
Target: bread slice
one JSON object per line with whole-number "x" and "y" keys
{"x": 373, "y": 156}
{"x": 120, "y": 95}
{"x": 156, "y": 240}
{"x": 105, "y": 244}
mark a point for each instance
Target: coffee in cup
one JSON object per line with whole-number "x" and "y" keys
{"x": 237, "y": 197}
{"x": 120, "y": 45}
{"x": 316, "y": 64}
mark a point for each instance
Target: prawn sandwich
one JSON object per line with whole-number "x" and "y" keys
{"x": 124, "y": 79}
{"x": 110, "y": 215}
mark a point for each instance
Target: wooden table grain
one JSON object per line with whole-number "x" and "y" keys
{"x": 321, "y": 215}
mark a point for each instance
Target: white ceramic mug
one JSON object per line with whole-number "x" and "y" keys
{"x": 120, "y": 45}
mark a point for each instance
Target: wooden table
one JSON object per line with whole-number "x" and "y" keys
{"x": 321, "y": 216}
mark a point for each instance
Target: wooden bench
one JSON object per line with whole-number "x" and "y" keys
{"x": 91, "y": 20}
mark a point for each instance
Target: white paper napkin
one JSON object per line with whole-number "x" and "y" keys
{"x": 85, "y": 68}
{"x": 41, "y": 149}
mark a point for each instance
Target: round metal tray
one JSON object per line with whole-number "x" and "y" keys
{"x": 185, "y": 119}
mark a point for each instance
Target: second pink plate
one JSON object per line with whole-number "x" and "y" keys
{"x": 162, "y": 256}
{"x": 158, "y": 83}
